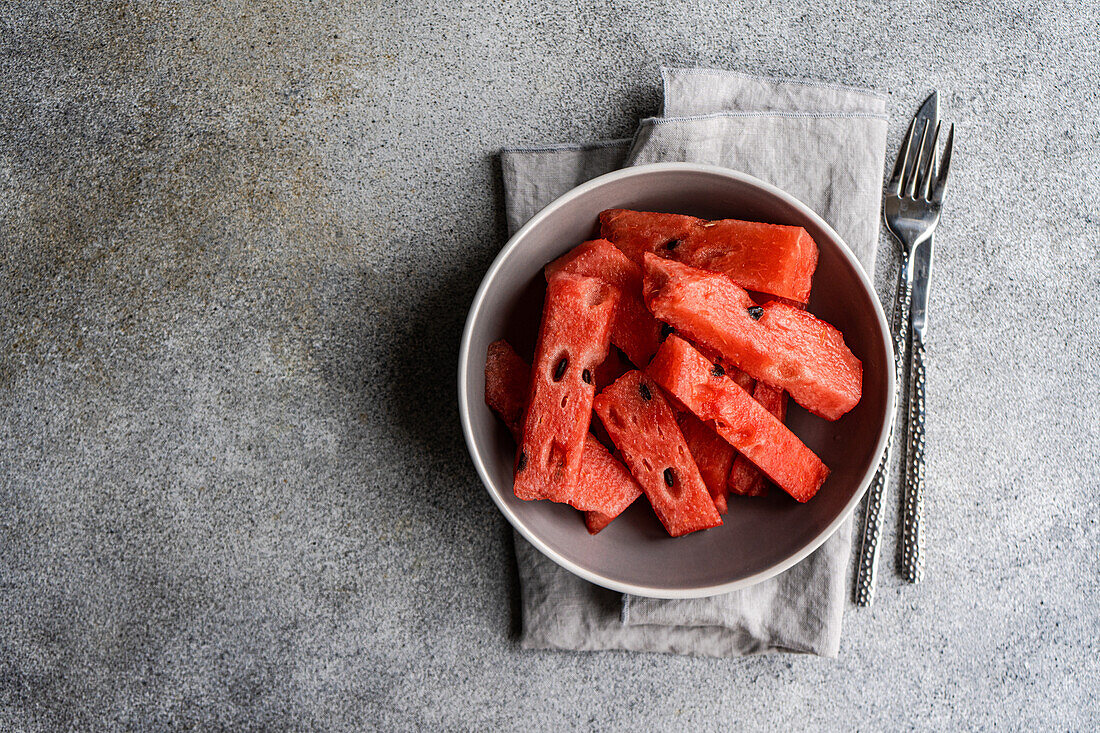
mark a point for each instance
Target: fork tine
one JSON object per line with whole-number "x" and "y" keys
{"x": 945, "y": 163}
{"x": 928, "y": 168}
{"x": 894, "y": 184}
{"x": 912, "y": 170}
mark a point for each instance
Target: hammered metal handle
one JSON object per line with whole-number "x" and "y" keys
{"x": 872, "y": 533}
{"x": 912, "y": 547}
{"x": 872, "y": 528}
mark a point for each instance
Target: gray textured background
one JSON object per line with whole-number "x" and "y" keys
{"x": 237, "y": 249}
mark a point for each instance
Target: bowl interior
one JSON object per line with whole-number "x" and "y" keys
{"x": 760, "y": 537}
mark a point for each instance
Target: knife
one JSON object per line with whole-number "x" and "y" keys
{"x": 911, "y": 558}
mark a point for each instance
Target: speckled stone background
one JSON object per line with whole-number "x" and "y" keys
{"x": 238, "y": 243}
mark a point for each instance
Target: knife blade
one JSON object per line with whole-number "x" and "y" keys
{"x": 921, "y": 262}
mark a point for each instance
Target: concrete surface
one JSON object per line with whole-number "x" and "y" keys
{"x": 238, "y": 244}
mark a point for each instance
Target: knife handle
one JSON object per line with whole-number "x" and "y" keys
{"x": 872, "y": 528}
{"x": 912, "y": 547}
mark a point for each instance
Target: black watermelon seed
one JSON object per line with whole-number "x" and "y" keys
{"x": 717, "y": 370}
{"x": 586, "y": 376}
{"x": 756, "y": 311}
{"x": 646, "y": 394}
{"x": 672, "y": 244}
{"x": 670, "y": 477}
{"x": 521, "y": 463}
{"x": 559, "y": 372}
{"x": 666, "y": 331}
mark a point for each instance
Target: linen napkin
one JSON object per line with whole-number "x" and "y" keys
{"x": 823, "y": 143}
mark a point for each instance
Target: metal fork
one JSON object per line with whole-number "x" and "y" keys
{"x": 911, "y": 207}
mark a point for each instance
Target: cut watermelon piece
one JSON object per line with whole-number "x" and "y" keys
{"x": 635, "y": 330}
{"x": 594, "y": 522}
{"x": 743, "y": 380}
{"x": 744, "y": 478}
{"x": 604, "y": 484}
{"x": 507, "y": 377}
{"x": 774, "y": 259}
{"x": 782, "y": 346}
{"x": 613, "y": 367}
{"x": 741, "y": 420}
{"x": 712, "y": 455}
{"x": 643, "y": 426}
{"x": 573, "y": 341}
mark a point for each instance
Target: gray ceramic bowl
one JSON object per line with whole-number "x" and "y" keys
{"x": 760, "y": 537}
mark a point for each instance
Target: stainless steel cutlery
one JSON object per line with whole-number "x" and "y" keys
{"x": 912, "y": 201}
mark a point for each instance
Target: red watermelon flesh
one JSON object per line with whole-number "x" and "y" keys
{"x": 613, "y": 367}
{"x": 596, "y": 521}
{"x": 775, "y": 259}
{"x": 764, "y": 298}
{"x": 507, "y": 377}
{"x": 712, "y": 455}
{"x": 745, "y": 478}
{"x": 604, "y": 484}
{"x": 742, "y": 379}
{"x": 741, "y": 420}
{"x": 635, "y": 330}
{"x": 782, "y": 346}
{"x": 643, "y": 426}
{"x": 573, "y": 341}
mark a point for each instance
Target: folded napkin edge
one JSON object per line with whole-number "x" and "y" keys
{"x": 702, "y": 71}
{"x": 559, "y": 147}
{"x": 661, "y": 120}
{"x": 645, "y": 644}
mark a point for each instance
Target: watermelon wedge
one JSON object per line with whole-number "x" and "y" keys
{"x": 613, "y": 367}
{"x": 605, "y": 485}
{"x": 634, "y": 330}
{"x": 643, "y": 426}
{"x": 573, "y": 341}
{"x": 596, "y": 521}
{"x": 741, "y": 420}
{"x": 712, "y": 455}
{"x": 744, "y": 478}
{"x": 774, "y": 259}
{"x": 775, "y": 343}
{"x": 507, "y": 377}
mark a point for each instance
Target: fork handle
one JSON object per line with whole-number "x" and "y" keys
{"x": 872, "y": 534}
{"x": 912, "y": 547}
{"x": 872, "y": 528}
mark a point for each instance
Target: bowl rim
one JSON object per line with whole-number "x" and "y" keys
{"x": 464, "y": 397}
